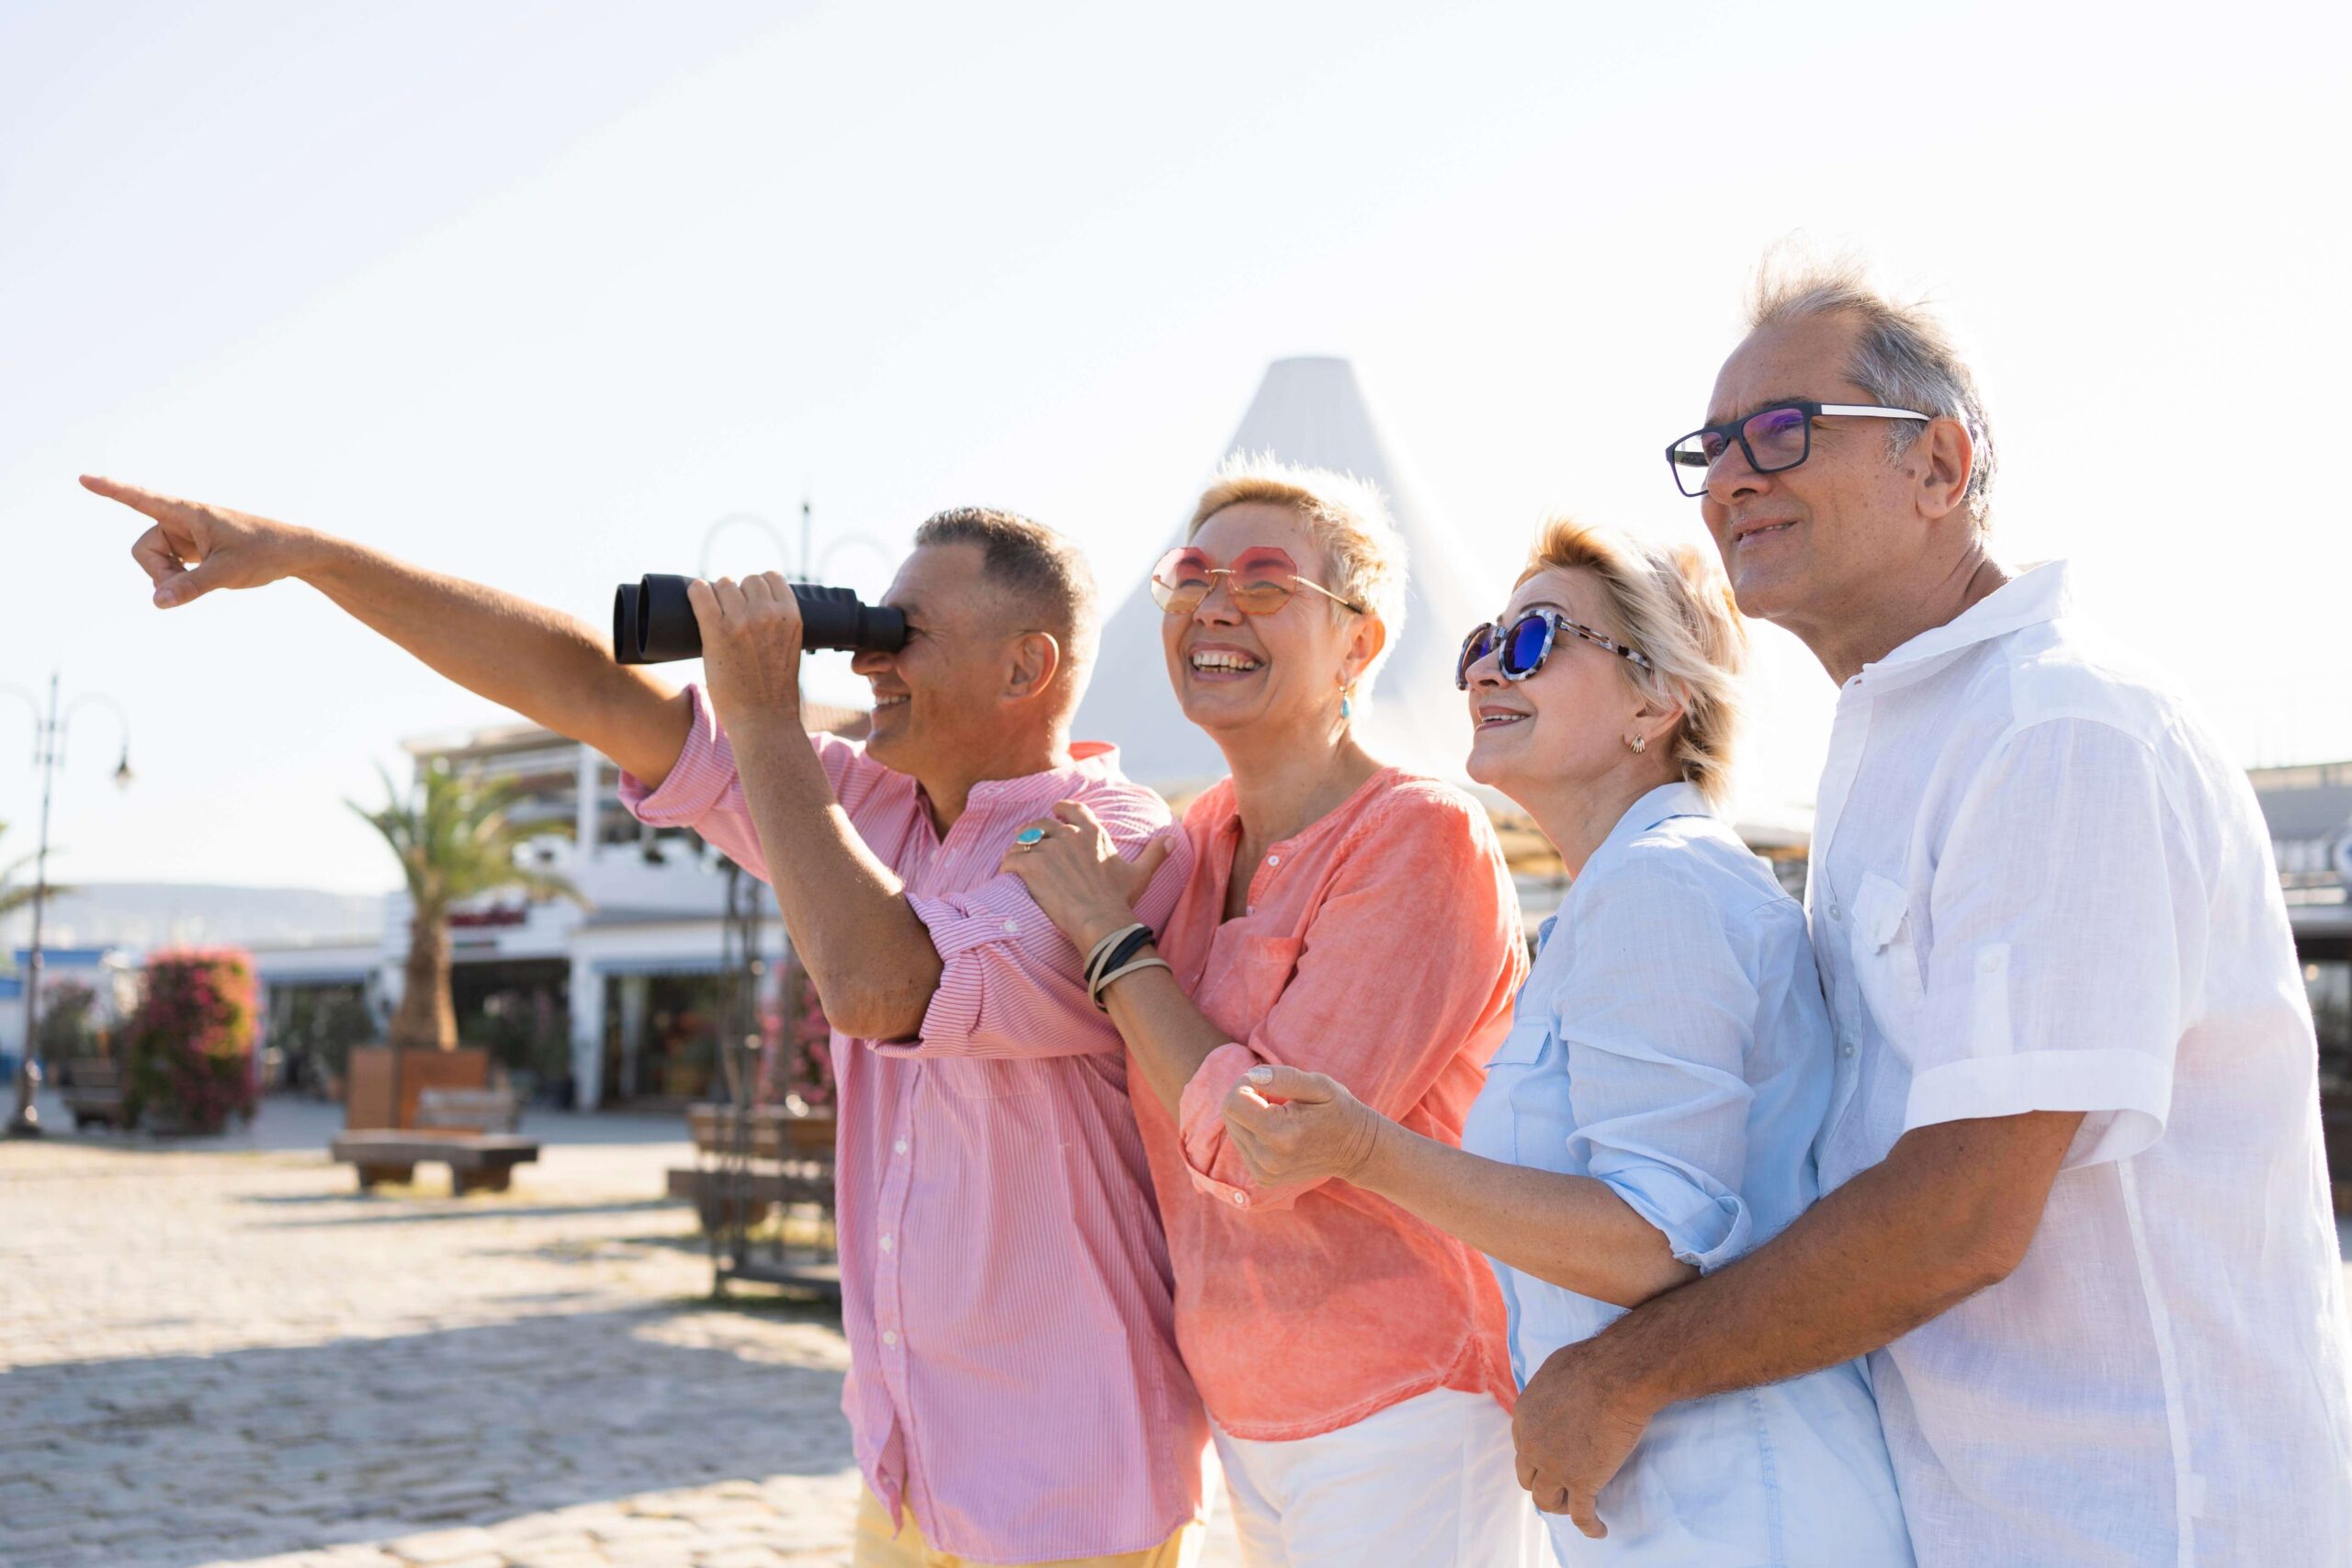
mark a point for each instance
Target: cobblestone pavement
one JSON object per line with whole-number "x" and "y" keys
{"x": 225, "y": 1355}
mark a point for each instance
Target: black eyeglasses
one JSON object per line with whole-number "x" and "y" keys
{"x": 1526, "y": 643}
{"x": 1777, "y": 436}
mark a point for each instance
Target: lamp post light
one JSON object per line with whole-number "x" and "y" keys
{"x": 49, "y": 752}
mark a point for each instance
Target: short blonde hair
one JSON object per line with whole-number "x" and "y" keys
{"x": 1346, "y": 516}
{"x": 1676, "y": 607}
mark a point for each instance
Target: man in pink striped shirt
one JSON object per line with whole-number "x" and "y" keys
{"x": 1014, "y": 1390}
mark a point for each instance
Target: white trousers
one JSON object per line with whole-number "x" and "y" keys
{"x": 1433, "y": 1483}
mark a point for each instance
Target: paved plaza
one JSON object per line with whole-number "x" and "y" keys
{"x": 220, "y": 1353}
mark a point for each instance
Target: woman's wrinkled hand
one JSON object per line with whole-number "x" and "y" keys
{"x": 750, "y": 648}
{"x": 1076, "y": 875}
{"x": 1291, "y": 1126}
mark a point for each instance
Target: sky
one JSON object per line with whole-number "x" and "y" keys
{"x": 536, "y": 293}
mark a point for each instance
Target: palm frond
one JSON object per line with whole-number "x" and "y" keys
{"x": 456, "y": 837}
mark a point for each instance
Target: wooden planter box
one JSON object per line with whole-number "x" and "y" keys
{"x": 381, "y": 1088}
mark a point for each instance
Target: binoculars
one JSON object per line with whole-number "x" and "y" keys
{"x": 653, "y": 624}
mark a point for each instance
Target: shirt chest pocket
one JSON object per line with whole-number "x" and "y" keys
{"x": 1245, "y": 978}
{"x": 1528, "y": 1074}
{"x": 1885, "y": 952}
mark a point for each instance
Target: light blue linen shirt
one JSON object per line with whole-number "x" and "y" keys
{"x": 1672, "y": 1042}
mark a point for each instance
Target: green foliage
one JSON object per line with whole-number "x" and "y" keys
{"x": 189, "y": 1046}
{"x": 323, "y": 1023}
{"x": 67, "y": 1032}
{"x": 525, "y": 1030}
{"x": 456, "y": 837}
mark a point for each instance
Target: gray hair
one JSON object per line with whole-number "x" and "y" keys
{"x": 1904, "y": 357}
{"x": 1043, "y": 571}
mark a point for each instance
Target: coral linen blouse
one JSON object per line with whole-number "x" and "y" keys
{"x": 1381, "y": 946}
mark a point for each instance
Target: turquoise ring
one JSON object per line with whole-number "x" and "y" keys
{"x": 1029, "y": 837}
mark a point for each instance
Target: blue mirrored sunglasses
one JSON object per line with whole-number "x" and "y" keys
{"x": 1522, "y": 647}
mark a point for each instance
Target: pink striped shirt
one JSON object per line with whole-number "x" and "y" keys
{"x": 1005, "y": 1285}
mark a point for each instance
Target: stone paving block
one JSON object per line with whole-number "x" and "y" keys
{"x": 740, "y": 1557}
{"x": 289, "y": 1373}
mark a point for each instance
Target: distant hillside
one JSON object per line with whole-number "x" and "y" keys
{"x": 143, "y": 915}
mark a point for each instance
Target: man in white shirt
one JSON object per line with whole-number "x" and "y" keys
{"x": 2076, "y": 1211}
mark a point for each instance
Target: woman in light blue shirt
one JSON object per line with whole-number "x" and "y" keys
{"x": 1651, "y": 1115}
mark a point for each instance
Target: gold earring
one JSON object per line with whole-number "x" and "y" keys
{"x": 1639, "y": 743}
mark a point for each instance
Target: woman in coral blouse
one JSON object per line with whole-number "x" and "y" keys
{"x": 1343, "y": 917}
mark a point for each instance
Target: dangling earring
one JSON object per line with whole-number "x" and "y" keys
{"x": 1640, "y": 743}
{"x": 1346, "y": 708}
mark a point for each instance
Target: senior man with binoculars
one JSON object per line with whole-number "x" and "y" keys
{"x": 1015, "y": 1389}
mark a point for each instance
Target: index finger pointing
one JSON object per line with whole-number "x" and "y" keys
{"x": 133, "y": 496}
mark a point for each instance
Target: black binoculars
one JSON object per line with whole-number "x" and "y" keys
{"x": 653, "y": 623}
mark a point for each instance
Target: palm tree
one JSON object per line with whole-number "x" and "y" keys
{"x": 455, "y": 837}
{"x": 14, "y": 896}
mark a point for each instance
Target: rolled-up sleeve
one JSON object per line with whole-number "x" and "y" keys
{"x": 1658, "y": 1015}
{"x": 2068, "y": 936}
{"x": 1415, "y": 951}
{"x": 703, "y": 791}
{"x": 1010, "y": 982}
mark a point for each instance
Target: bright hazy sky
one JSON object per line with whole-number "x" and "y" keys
{"x": 535, "y": 292}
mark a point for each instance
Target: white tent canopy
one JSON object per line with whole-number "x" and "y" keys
{"x": 1308, "y": 411}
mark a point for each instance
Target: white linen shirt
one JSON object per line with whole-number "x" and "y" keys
{"x": 2037, "y": 885}
{"x": 1670, "y": 1043}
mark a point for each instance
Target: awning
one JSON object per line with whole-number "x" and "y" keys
{"x": 708, "y": 965}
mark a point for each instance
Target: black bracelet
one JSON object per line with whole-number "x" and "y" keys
{"x": 1134, "y": 942}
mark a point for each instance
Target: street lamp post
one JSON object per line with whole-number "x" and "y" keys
{"x": 49, "y": 751}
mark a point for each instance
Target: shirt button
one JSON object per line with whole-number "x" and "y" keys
{"x": 1274, "y": 859}
{"x": 1845, "y": 1046}
{"x": 1836, "y": 913}
{"x": 885, "y": 1243}
{"x": 1241, "y": 1200}
{"x": 899, "y": 1147}
{"x": 889, "y": 1337}
{"x": 1012, "y": 927}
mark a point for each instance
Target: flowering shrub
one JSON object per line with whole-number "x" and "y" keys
{"x": 189, "y": 1046}
{"x": 797, "y": 1057}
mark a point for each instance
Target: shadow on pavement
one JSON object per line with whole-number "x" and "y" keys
{"x": 387, "y": 1209}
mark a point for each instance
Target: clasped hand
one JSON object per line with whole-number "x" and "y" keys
{"x": 1290, "y": 1126}
{"x": 1075, "y": 873}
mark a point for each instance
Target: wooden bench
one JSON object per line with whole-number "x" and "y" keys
{"x": 95, "y": 1093}
{"x": 477, "y": 1162}
{"x": 774, "y": 1134}
{"x": 791, "y": 1161}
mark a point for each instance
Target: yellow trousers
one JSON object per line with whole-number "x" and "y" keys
{"x": 875, "y": 1547}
